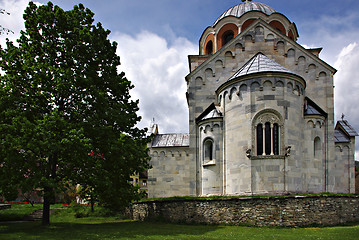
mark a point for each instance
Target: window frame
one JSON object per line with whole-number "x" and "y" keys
{"x": 211, "y": 160}
{"x": 268, "y": 144}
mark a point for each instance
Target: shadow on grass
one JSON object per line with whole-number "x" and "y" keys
{"x": 116, "y": 230}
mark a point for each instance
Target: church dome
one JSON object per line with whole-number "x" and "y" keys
{"x": 246, "y": 6}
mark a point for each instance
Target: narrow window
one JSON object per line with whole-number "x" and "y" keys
{"x": 276, "y": 139}
{"x": 259, "y": 139}
{"x": 317, "y": 147}
{"x": 208, "y": 150}
{"x": 209, "y": 47}
{"x": 267, "y": 138}
{"x": 227, "y": 36}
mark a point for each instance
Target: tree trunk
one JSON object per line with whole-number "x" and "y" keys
{"x": 46, "y": 207}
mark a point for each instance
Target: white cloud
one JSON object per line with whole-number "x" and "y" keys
{"x": 347, "y": 86}
{"x": 333, "y": 33}
{"x": 157, "y": 69}
{"x": 14, "y": 21}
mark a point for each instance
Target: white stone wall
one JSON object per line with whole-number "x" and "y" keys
{"x": 211, "y": 172}
{"x": 183, "y": 173}
{"x": 172, "y": 172}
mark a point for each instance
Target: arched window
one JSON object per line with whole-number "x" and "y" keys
{"x": 267, "y": 127}
{"x": 227, "y": 36}
{"x": 317, "y": 147}
{"x": 208, "y": 150}
{"x": 209, "y": 47}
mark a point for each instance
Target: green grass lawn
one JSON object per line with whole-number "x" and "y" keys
{"x": 65, "y": 226}
{"x": 17, "y": 211}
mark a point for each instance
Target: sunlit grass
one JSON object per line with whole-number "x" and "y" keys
{"x": 101, "y": 225}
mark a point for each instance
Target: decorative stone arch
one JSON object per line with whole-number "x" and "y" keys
{"x": 279, "y": 83}
{"x": 255, "y": 86}
{"x": 322, "y": 76}
{"x": 312, "y": 68}
{"x": 243, "y": 88}
{"x": 267, "y": 85}
{"x": 301, "y": 63}
{"x": 249, "y": 37}
{"x": 228, "y": 57}
{"x": 280, "y": 46}
{"x": 232, "y": 92}
{"x": 176, "y": 153}
{"x": 154, "y": 154}
{"x": 310, "y": 124}
{"x": 207, "y": 128}
{"x": 291, "y": 53}
{"x": 269, "y": 141}
{"x": 290, "y": 87}
{"x": 208, "y": 73}
{"x": 218, "y": 65}
{"x": 240, "y": 46}
{"x": 319, "y": 124}
{"x": 338, "y": 148}
{"x": 199, "y": 81}
{"x": 270, "y": 37}
{"x": 162, "y": 154}
{"x": 229, "y": 54}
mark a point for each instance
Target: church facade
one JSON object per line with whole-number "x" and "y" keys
{"x": 261, "y": 116}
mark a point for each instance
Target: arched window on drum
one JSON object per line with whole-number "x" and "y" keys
{"x": 267, "y": 128}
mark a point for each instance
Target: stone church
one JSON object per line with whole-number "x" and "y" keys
{"x": 261, "y": 116}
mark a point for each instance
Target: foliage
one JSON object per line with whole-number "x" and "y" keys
{"x": 86, "y": 211}
{"x": 62, "y": 98}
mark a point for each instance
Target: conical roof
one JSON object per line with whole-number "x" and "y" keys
{"x": 260, "y": 63}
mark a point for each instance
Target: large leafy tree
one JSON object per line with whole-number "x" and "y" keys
{"x": 62, "y": 101}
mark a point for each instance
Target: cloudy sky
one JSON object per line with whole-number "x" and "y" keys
{"x": 156, "y": 36}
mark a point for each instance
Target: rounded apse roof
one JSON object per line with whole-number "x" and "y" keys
{"x": 246, "y": 6}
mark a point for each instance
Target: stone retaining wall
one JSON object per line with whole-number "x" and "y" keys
{"x": 267, "y": 211}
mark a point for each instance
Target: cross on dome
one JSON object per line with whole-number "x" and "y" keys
{"x": 246, "y": 0}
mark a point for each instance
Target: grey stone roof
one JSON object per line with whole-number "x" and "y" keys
{"x": 310, "y": 108}
{"x": 212, "y": 111}
{"x": 340, "y": 136}
{"x": 213, "y": 114}
{"x": 347, "y": 128}
{"x": 240, "y": 9}
{"x": 343, "y": 131}
{"x": 170, "y": 140}
{"x": 260, "y": 63}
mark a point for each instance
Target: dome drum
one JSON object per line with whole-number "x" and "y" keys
{"x": 239, "y": 18}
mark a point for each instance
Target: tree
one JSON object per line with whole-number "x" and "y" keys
{"x": 61, "y": 98}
